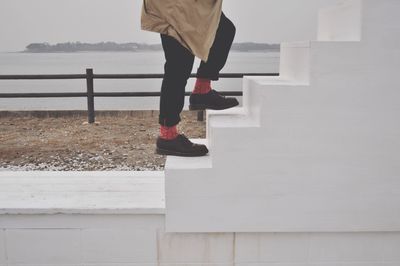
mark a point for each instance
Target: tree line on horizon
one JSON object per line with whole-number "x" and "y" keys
{"x": 129, "y": 47}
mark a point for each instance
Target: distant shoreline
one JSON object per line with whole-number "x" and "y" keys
{"x": 108, "y": 47}
{"x": 94, "y": 52}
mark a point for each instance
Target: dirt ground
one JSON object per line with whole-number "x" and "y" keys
{"x": 123, "y": 142}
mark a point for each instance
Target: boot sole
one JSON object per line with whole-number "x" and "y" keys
{"x": 177, "y": 153}
{"x": 201, "y": 107}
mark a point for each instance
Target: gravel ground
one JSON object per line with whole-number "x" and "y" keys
{"x": 65, "y": 143}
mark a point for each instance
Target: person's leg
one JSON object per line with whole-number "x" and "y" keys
{"x": 203, "y": 96}
{"x": 177, "y": 69}
{"x": 219, "y": 51}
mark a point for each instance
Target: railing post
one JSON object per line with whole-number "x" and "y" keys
{"x": 200, "y": 116}
{"x": 90, "y": 95}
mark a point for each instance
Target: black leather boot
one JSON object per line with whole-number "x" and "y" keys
{"x": 212, "y": 100}
{"x": 180, "y": 146}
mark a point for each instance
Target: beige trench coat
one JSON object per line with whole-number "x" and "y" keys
{"x": 193, "y": 23}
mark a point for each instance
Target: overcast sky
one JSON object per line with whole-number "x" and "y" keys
{"x": 26, "y": 21}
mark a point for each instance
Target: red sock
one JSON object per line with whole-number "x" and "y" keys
{"x": 202, "y": 86}
{"x": 168, "y": 133}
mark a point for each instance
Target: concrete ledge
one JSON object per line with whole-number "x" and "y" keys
{"x": 82, "y": 193}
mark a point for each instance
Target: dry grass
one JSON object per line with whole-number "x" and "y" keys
{"x": 64, "y": 143}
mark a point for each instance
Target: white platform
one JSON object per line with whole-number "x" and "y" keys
{"x": 82, "y": 193}
{"x": 116, "y": 218}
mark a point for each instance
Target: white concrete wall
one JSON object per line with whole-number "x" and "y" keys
{"x": 314, "y": 150}
{"x": 133, "y": 240}
{"x": 79, "y": 239}
{"x": 322, "y": 249}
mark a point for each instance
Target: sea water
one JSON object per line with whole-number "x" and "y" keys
{"x": 109, "y": 63}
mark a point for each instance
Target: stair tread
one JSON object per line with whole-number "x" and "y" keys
{"x": 231, "y": 111}
{"x": 267, "y": 80}
{"x": 239, "y": 120}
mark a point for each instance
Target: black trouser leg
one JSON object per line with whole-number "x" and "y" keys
{"x": 219, "y": 51}
{"x": 177, "y": 70}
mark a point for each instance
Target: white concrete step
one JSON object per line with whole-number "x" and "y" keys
{"x": 275, "y": 81}
{"x": 380, "y": 23}
{"x": 263, "y": 95}
{"x": 235, "y": 117}
{"x": 373, "y": 22}
{"x": 295, "y": 62}
{"x": 341, "y": 22}
{"x": 230, "y": 118}
{"x": 232, "y": 121}
{"x": 304, "y": 63}
{"x": 231, "y": 111}
{"x": 82, "y": 192}
{"x": 213, "y": 116}
{"x": 256, "y": 89}
{"x": 225, "y": 131}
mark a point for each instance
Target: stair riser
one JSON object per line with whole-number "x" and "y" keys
{"x": 380, "y": 26}
{"x": 230, "y": 143}
{"x": 371, "y": 21}
{"x": 295, "y": 62}
{"x": 340, "y": 23}
{"x": 335, "y": 61}
{"x": 282, "y": 199}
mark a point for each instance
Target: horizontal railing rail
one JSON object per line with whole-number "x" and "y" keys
{"x": 119, "y": 76}
{"x": 96, "y": 94}
{"x": 90, "y": 94}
